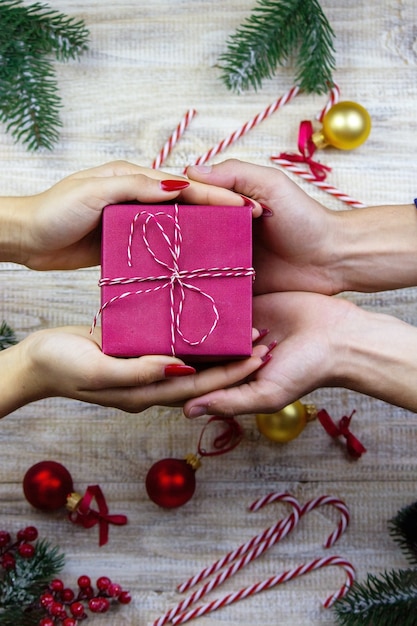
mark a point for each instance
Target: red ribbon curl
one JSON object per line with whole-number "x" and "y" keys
{"x": 227, "y": 440}
{"x": 87, "y": 517}
{"x": 353, "y": 445}
{"x": 307, "y": 148}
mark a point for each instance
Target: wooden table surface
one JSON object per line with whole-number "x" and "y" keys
{"x": 147, "y": 64}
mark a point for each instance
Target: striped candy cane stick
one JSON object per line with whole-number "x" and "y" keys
{"x": 263, "y": 541}
{"x": 245, "y": 128}
{"x": 333, "y": 99}
{"x": 173, "y": 139}
{"x": 284, "y": 528}
{"x": 340, "y": 506}
{"x": 291, "y": 167}
{"x": 244, "y": 548}
{"x": 272, "y": 582}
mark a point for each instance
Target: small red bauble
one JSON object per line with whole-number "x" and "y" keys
{"x": 171, "y": 482}
{"x": 47, "y": 484}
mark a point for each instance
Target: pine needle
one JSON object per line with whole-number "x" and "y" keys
{"x": 7, "y": 336}
{"x": 386, "y": 600}
{"x": 29, "y": 99}
{"x": 403, "y": 529}
{"x": 274, "y": 32}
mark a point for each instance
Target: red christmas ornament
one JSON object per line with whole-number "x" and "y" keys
{"x": 171, "y": 482}
{"x": 47, "y": 485}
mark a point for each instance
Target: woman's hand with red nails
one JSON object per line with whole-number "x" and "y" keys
{"x": 60, "y": 227}
{"x": 68, "y": 362}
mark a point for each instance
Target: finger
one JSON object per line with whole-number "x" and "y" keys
{"x": 259, "y": 182}
{"x": 138, "y": 372}
{"x": 175, "y": 392}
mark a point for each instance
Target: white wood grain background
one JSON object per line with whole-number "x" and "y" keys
{"x": 147, "y": 64}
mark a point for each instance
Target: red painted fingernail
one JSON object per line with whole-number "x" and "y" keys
{"x": 266, "y": 211}
{"x": 248, "y": 202}
{"x": 262, "y": 333}
{"x": 272, "y": 345}
{"x": 179, "y": 370}
{"x": 265, "y": 359}
{"x": 173, "y": 185}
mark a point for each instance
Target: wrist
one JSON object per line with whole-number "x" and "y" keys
{"x": 18, "y": 385}
{"x": 376, "y": 355}
{"x": 374, "y": 249}
{"x": 15, "y": 229}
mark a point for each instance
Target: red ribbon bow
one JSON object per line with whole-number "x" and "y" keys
{"x": 354, "y": 446}
{"x": 307, "y": 148}
{"x": 87, "y": 517}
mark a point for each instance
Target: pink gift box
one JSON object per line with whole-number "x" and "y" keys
{"x": 177, "y": 279}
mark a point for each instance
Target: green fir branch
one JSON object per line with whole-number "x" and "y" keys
{"x": 403, "y": 529}
{"x": 274, "y": 32}
{"x": 386, "y": 600}
{"x": 7, "y": 336}
{"x": 23, "y": 584}
{"x": 29, "y": 99}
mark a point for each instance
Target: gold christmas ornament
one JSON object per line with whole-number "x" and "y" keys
{"x": 287, "y": 423}
{"x": 345, "y": 126}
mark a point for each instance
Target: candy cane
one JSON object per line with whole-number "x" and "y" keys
{"x": 272, "y": 582}
{"x": 245, "y": 128}
{"x": 249, "y": 551}
{"x": 271, "y": 538}
{"x": 319, "y": 183}
{"x": 340, "y": 506}
{"x": 244, "y": 548}
{"x": 333, "y": 99}
{"x": 174, "y": 137}
{"x": 264, "y": 541}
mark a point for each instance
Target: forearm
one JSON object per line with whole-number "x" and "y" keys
{"x": 16, "y": 382}
{"x": 14, "y": 229}
{"x": 375, "y": 248}
{"x": 378, "y": 358}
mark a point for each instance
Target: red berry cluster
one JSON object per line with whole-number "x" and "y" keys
{"x": 66, "y": 607}
{"x": 22, "y": 546}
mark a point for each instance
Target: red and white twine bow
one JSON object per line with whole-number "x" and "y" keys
{"x": 175, "y": 278}
{"x": 235, "y": 560}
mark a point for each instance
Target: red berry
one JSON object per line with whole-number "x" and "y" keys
{"x": 20, "y": 535}
{"x": 46, "y": 599}
{"x": 114, "y": 590}
{"x": 30, "y": 533}
{"x": 124, "y": 597}
{"x": 98, "y": 605}
{"x": 85, "y": 593}
{"x": 4, "y": 538}
{"x": 56, "y": 585}
{"x": 46, "y": 621}
{"x": 69, "y": 621}
{"x": 77, "y": 609}
{"x": 8, "y": 561}
{"x": 56, "y": 608}
{"x": 67, "y": 595}
{"x": 103, "y": 583}
{"x": 26, "y": 550}
{"x": 84, "y": 581}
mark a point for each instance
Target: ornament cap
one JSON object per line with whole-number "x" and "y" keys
{"x": 311, "y": 411}
{"x": 193, "y": 460}
{"x": 319, "y": 139}
{"x": 73, "y": 501}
